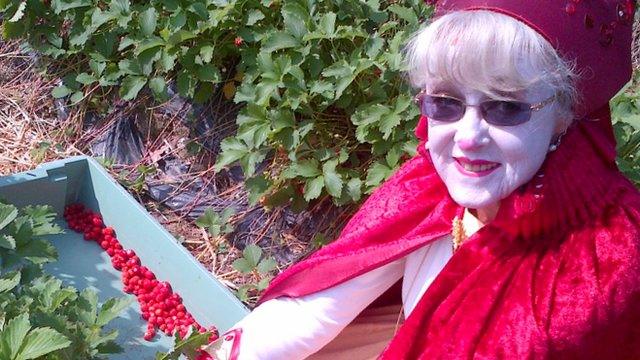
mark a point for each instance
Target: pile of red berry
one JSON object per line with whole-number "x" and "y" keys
{"x": 161, "y": 307}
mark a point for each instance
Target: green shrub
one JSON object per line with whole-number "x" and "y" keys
{"x": 322, "y": 80}
{"x": 39, "y": 317}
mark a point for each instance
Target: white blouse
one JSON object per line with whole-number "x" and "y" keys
{"x": 294, "y": 328}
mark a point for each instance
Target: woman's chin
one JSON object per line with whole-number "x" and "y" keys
{"x": 474, "y": 198}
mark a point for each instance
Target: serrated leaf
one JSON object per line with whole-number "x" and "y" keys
{"x": 131, "y": 86}
{"x": 263, "y": 283}
{"x": 308, "y": 168}
{"x": 254, "y": 16}
{"x": 404, "y": 13}
{"x": 332, "y": 180}
{"x": 42, "y": 341}
{"x": 19, "y": 12}
{"x": 9, "y": 281}
{"x": 208, "y": 72}
{"x": 87, "y": 306}
{"x": 60, "y": 91}
{"x": 206, "y": 53}
{"x": 295, "y": 19}
{"x": 313, "y": 188}
{"x": 277, "y": 41}
{"x": 328, "y": 23}
{"x": 7, "y": 242}
{"x": 377, "y": 174}
{"x": 257, "y": 186}
{"x": 242, "y": 265}
{"x": 85, "y": 78}
{"x": 267, "y": 265}
{"x": 38, "y": 251}
{"x": 76, "y": 97}
{"x": 148, "y": 21}
{"x": 14, "y": 333}
{"x": 159, "y": 87}
{"x": 112, "y": 309}
{"x": 252, "y": 254}
{"x": 186, "y": 84}
{"x": 354, "y": 188}
{"x": 8, "y": 213}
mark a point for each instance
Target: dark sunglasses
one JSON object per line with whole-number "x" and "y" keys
{"x": 495, "y": 112}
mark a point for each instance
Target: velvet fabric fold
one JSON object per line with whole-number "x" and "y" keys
{"x": 555, "y": 275}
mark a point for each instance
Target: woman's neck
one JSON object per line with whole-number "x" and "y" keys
{"x": 487, "y": 213}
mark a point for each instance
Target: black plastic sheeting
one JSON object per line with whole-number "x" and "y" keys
{"x": 121, "y": 143}
{"x": 175, "y": 187}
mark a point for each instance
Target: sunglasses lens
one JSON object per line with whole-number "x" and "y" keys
{"x": 506, "y": 113}
{"x": 442, "y": 108}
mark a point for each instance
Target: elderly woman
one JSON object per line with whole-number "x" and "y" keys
{"x": 512, "y": 234}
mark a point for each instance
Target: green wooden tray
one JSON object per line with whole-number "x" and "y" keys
{"x": 83, "y": 263}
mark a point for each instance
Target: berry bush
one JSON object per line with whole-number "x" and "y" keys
{"x": 39, "y": 317}
{"x": 325, "y": 100}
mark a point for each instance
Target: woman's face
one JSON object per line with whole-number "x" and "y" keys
{"x": 481, "y": 163}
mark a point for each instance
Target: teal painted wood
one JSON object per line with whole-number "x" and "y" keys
{"x": 82, "y": 263}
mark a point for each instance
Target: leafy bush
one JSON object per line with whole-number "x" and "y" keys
{"x": 322, "y": 80}
{"x": 625, "y": 111}
{"x": 38, "y": 315}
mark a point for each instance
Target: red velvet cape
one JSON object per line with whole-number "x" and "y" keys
{"x": 555, "y": 275}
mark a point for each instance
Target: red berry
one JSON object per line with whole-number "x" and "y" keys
{"x": 238, "y": 41}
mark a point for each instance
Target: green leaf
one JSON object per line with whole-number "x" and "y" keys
{"x": 8, "y": 213}
{"x": 267, "y": 265}
{"x": 232, "y": 150}
{"x": 19, "y": 13}
{"x": 186, "y": 84}
{"x": 377, "y": 174}
{"x": 332, "y": 180}
{"x": 242, "y": 265}
{"x": 60, "y": 91}
{"x": 87, "y": 306}
{"x": 206, "y": 52}
{"x": 211, "y": 221}
{"x": 328, "y": 23}
{"x": 112, "y": 309}
{"x": 257, "y": 186}
{"x": 404, "y": 13}
{"x": 308, "y": 168}
{"x": 279, "y": 40}
{"x": 76, "y": 97}
{"x": 7, "y": 242}
{"x": 295, "y": 19}
{"x": 85, "y": 79}
{"x": 9, "y": 281}
{"x": 208, "y": 72}
{"x": 313, "y": 188}
{"x": 354, "y": 188}
{"x": 131, "y": 85}
{"x": 159, "y": 87}
{"x": 148, "y": 21}
{"x": 254, "y": 16}
{"x": 252, "y": 254}
{"x": 42, "y": 341}
{"x": 263, "y": 283}
{"x": 14, "y": 333}
{"x": 38, "y": 251}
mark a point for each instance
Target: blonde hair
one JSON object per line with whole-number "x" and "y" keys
{"x": 486, "y": 51}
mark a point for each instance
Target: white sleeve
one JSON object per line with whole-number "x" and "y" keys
{"x": 294, "y": 328}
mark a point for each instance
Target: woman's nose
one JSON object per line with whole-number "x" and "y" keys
{"x": 471, "y": 132}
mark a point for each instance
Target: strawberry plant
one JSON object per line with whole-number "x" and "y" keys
{"x": 625, "y": 111}
{"x": 39, "y": 316}
{"x": 252, "y": 262}
{"x": 322, "y": 80}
